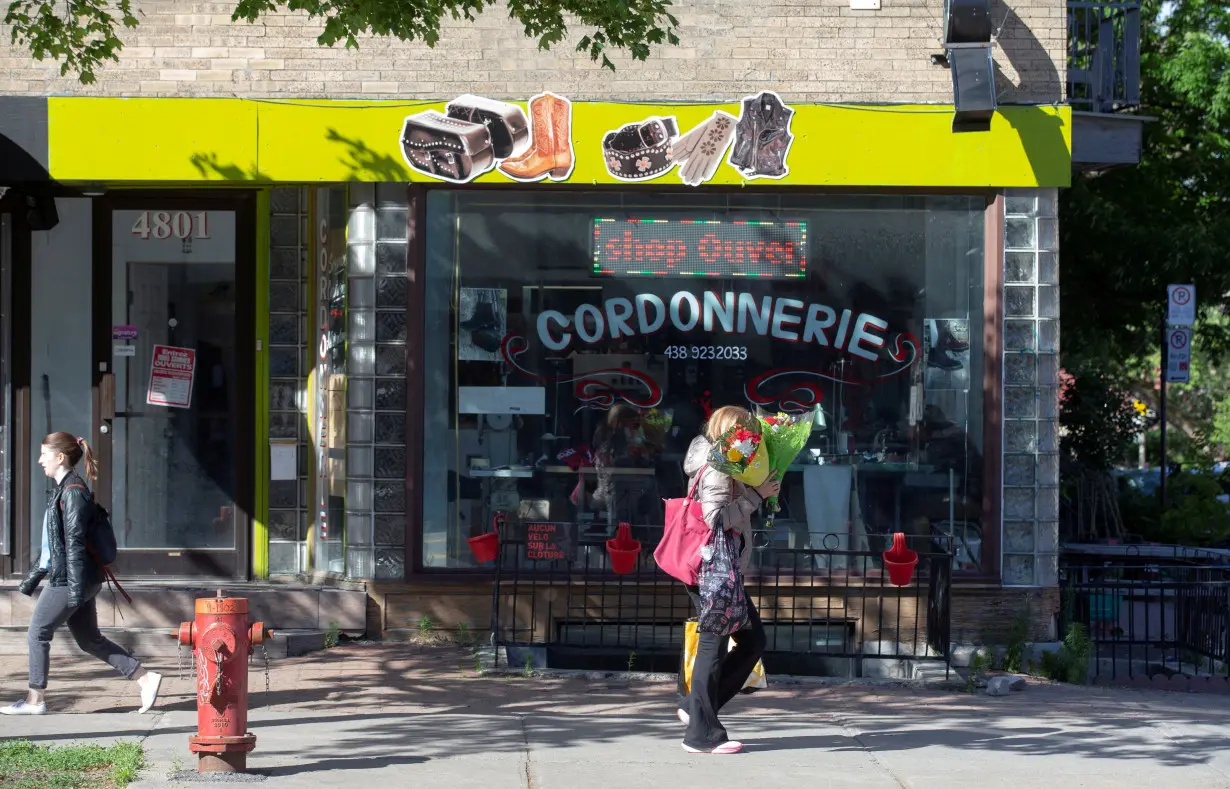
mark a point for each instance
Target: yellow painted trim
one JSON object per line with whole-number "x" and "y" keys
{"x": 189, "y": 140}
{"x": 260, "y": 518}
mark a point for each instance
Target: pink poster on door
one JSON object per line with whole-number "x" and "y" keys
{"x": 170, "y": 378}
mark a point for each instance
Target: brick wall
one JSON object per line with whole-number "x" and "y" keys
{"x": 809, "y": 50}
{"x": 979, "y": 615}
{"x": 985, "y": 616}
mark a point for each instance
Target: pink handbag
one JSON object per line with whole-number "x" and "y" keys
{"x": 685, "y": 533}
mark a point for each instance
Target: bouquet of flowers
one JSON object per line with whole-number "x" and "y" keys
{"x": 783, "y": 436}
{"x": 740, "y": 453}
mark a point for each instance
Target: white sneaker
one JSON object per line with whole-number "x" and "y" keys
{"x": 149, "y": 691}
{"x": 23, "y": 708}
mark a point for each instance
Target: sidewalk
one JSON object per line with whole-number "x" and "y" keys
{"x": 394, "y": 715}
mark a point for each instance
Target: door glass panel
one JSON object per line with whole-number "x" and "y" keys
{"x": 174, "y": 357}
{"x": 6, "y": 398}
{"x": 61, "y": 352}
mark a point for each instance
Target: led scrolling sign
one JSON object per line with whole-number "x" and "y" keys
{"x": 711, "y": 249}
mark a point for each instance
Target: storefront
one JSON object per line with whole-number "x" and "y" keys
{"x": 336, "y": 340}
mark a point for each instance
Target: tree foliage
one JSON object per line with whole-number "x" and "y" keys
{"x": 1098, "y": 421}
{"x": 83, "y": 34}
{"x": 1127, "y": 233}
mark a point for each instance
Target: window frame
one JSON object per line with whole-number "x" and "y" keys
{"x": 992, "y": 373}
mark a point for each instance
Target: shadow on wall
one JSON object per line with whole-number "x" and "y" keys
{"x": 361, "y": 162}
{"x": 1037, "y": 82}
{"x": 1041, "y": 133}
{"x": 1038, "y": 79}
{"x": 19, "y": 165}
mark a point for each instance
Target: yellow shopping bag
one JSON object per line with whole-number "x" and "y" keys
{"x": 691, "y": 640}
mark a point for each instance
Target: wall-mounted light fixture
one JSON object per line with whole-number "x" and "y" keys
{"x": 41, "y": 211}
{"x": 968, "y": 47}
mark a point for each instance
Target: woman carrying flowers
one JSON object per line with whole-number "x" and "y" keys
{"x": 731, "y": 477}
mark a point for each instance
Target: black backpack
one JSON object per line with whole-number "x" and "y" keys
{"x": 99, "y": 535}
{"x": 100, "y": 543}
{"x": 102, "y": 537}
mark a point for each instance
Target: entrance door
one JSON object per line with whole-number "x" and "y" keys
{"x": 176, "y": 398}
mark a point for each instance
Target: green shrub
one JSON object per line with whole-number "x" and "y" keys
{"x": 1193, "y": 516}
{"x": 1071, "y": 662}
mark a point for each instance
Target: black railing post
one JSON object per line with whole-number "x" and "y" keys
{"x": 495, "y": 608}
{"x": 1103, "y": 54}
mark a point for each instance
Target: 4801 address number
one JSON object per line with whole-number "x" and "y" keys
{"x": 717, "y": 352}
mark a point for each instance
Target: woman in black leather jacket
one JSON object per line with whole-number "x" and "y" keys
{"x": 73, "y": 576}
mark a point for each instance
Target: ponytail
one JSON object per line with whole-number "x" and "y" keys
{"x": 91, "y": 463}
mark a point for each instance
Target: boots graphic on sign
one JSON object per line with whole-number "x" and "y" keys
{"x": 475, "y": 134}
{"x": 550, "y": 151}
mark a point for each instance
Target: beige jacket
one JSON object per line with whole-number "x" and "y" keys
{"x": 721, "y": 496}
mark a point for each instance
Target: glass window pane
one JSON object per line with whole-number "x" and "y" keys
{"x": 624, "y": 334}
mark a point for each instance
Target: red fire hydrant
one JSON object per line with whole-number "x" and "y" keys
{"x": 222, "y": 641}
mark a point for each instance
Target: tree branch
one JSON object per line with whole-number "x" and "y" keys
{"x": 86, "y": 33}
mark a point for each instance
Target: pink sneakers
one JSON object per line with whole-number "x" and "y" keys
{"x": 730, "y": 746}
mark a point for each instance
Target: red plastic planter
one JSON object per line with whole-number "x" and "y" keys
{"x": 900, "y": 562}
{"x": 486, "y": 547}
{"x": 623, "y": 550}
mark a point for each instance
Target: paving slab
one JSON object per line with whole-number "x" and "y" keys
{"x": 389, "y": 716}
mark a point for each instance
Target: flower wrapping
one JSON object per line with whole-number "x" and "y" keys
{"x": 783, "y": 437}
{"x": 739, "y": 453}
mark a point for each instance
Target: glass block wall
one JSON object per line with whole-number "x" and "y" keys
{"x": 376, "y": 390}
{"x": 1031, "y": 388}
{"x": 288, "y": 368}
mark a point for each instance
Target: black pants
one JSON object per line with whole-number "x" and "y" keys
{"x": 50, "y": 613}
{"x": 717, "y": 675}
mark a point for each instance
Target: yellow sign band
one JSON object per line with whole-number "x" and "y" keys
{"x": 191, "y": 140}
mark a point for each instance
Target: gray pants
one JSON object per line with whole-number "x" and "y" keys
{"x": 50, "y": 612}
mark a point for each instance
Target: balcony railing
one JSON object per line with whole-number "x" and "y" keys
{"x": 1103, "y": 55}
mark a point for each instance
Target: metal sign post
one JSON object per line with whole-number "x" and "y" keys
{"x": 1162, "y": 412}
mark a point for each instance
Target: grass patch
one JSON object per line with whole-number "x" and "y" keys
{"x": 24, "y": 765}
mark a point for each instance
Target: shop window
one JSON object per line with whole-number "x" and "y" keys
{"x": 575, "y": 344}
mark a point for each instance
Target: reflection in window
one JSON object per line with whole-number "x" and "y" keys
{"x": 575, "y": 345}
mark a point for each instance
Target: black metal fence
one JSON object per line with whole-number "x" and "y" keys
{"x": 1153, "y": 625}
{"x": 825, "y": 612}
{"x": 1103, "y": 55}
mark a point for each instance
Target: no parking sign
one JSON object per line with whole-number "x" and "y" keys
{"x": 1178, "y": 356}
{"x": 1180, "y": 305}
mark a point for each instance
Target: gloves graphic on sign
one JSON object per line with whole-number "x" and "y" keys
{"x": 700, "y": 151}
